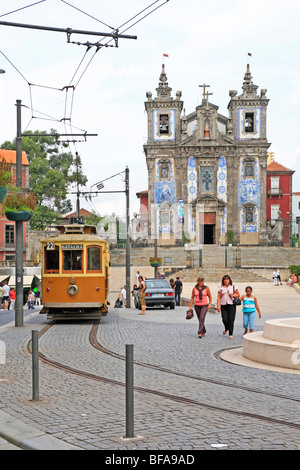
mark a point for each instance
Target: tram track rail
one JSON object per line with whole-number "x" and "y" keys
{"x": 95, "y": 343}
{"x": 179, "y": 399}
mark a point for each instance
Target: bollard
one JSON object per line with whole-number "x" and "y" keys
{"x": 129, "y": 392}
{"x": 35, "y": 366}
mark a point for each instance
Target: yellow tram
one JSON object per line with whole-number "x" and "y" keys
{"x": 75, "y": 272}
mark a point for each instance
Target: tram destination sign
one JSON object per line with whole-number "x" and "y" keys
{"x": 72, "y": 247}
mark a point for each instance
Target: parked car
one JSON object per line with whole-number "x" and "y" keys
{"x": 157, "y": 292}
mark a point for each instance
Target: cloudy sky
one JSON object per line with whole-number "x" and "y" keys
{"x": 207, "y": 42}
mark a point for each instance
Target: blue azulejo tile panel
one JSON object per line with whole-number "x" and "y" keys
{"x": 192, "y": 180}
{"x": 222, "y": 190}
{"x": 165, "y": 192}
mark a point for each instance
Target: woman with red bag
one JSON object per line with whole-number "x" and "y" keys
{"x": 201, "y": 298}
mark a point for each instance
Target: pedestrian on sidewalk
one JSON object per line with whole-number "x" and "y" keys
{"x": 277, "y": 272}
{"x": 226, "y": 293}
{"x": 30, "y": 300}
{"x": 250, "y": 306}
{"x": 5, "y": 294}
{"x": 123, "y": 294}
{"x": 200, "y": 293}
{"x": 142, "y": 288}
{"x": 178, "y": 290}
{"x": 275, "y": 277}
{"x": 12, "y": 295}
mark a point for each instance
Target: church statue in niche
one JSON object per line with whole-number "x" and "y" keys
{"x": 206, "y": 129}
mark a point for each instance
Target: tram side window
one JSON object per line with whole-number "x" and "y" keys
{"x": 52, "y": 260}
{"x": 72, "y": 260}
{"x": 94, "y": 258}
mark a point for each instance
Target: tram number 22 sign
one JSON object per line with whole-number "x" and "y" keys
{"x": 50, "y": 246}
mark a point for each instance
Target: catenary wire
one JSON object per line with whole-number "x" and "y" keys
{"x": 23, "y": 8}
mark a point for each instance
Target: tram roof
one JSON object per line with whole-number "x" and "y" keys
{"x": 72, "y": 232}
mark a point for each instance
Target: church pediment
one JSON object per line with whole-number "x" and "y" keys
{"x": 209, "y": 198}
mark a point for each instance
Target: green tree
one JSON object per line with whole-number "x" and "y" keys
{"x": 52, "y": 171}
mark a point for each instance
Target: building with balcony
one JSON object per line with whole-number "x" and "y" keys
{"x": 279, "y": 197}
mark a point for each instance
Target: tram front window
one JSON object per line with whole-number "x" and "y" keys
{"x": 72, "y": 260}
{"x": 52, "y": 260}
{"x": 94, "y": 258}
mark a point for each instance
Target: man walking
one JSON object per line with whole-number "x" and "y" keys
{"x": 178, "y": 290}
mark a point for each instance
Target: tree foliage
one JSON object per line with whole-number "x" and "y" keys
{"x": 52, "y": 171}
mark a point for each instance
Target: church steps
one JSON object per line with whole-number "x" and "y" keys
{"x": 216, "y": 274}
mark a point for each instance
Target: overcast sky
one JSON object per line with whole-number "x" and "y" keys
{"x": 207, "y": 42}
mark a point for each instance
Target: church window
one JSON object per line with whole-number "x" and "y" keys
{"x": 249, "y": 216}
{"x": 207, "y": 179}
{"x": 274, "y": 180}
{"x": 165, "y": 218}
{"x": 164, "y": 171}
{"x": 249, "y": 122}
{"x": 274, "y": 213}
{"x": 249, "y": 170}
{"x": 164, "y": 124}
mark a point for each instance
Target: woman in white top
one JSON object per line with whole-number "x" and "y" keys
{"x": 225, "y": 305}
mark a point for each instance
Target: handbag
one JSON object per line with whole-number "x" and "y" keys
{"x": 189, "y": 314}
{"x": 236, "y": 300}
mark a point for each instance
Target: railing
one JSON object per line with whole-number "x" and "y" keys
{"x": 12, "y": 263}
{"x": 275, "y": 192}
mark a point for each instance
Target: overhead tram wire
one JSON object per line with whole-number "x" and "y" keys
{"x": 113, "y": 36}
{"x": 87, "y": 14}
{"x": 23, "y": 8}
{"x": 100, "y": 46}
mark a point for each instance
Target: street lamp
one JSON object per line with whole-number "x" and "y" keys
{"x": 2, "y": 71}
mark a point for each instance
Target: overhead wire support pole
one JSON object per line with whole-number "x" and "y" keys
{"x": 19, "y": 317}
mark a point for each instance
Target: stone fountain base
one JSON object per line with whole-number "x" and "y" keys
{"x": 277, "y": 345}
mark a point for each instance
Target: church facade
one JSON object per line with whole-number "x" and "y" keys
{"x": 206, "y": 171}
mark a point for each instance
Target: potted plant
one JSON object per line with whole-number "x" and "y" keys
{"x": 230, "y": 237}
{"x": 155, "y": 262}
{"x": 6, "y": 178}
{"x": 18, "y": 206}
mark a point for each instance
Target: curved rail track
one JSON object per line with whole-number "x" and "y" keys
{"x": 188, "y": 401}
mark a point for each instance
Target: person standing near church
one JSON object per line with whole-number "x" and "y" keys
{"x": 5, "y": 294}
{"x": 225, "y": 305}
{"x": 201, "y": 298}
{"x": 178, "y": 290}
{"x": 250, "y": 306}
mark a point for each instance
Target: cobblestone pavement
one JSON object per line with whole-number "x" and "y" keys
{"x": 90, "y": 414}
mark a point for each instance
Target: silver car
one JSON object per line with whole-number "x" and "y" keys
{"x": 158, "y": 292}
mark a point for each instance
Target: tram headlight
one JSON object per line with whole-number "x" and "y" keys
{"x": 97, "y": 289}
{"x": 72, "y": 289}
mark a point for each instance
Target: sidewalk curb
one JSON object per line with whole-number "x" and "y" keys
{"x": 26, "y": 436}
{"x": 29, "y": 438}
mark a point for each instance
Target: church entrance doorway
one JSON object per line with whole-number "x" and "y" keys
{"x": 207, "y": 228}
{"x": 209, "y": 234}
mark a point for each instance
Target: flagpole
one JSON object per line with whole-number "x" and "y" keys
{"x": 165, "y": 55}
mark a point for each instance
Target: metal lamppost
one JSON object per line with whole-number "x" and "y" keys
{"x": 100, "y": 186}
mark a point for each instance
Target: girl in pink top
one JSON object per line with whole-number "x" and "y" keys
{"x": 201, "y": 298}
